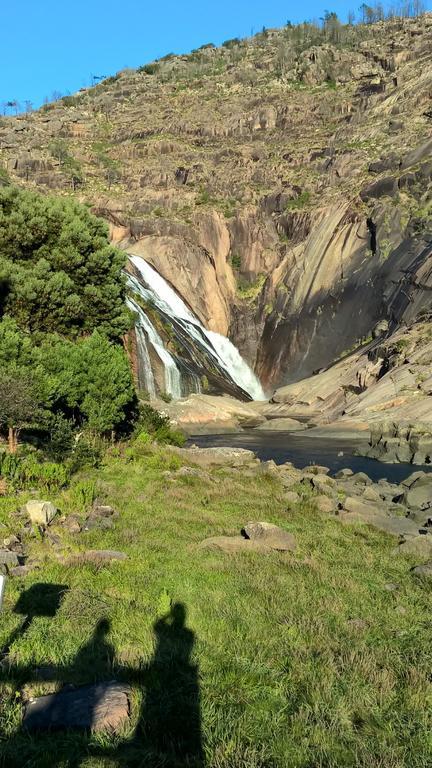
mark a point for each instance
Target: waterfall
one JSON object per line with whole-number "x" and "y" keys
{"x": 172, "y": 373}
{"x": 220, "y": 349}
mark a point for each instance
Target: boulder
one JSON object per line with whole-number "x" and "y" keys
{"x": 419, "y": 493}
{"x": 343, "y": 474}
{"x": 256, "y": 537}
{"x": 417, "y": 545}
{"x": 40, "y": 512}
{"x": 271, "y": 535}
{"x": 100, "y": 707}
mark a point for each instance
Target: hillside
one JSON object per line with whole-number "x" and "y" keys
{"x": 281, "y": 184}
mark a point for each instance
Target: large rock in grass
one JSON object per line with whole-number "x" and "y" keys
{"x": 101, "y": 707}
{"x": 40, "y": 512}
{"x": 256, "y": 537}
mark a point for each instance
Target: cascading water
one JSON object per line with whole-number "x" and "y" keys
{"x": 152, "y": 287}
{"x": 172, "y": 373}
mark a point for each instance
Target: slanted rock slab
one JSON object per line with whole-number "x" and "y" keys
{"x": 100, "y": 707}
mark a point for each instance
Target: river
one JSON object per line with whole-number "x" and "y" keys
{"x": 301, "y": 450}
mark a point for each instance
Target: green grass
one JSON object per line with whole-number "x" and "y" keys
{"x": 303, "y": 660}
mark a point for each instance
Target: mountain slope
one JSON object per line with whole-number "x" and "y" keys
{"x": 281, "y": 184}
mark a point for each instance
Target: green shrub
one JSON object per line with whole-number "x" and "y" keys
{"x": 149, "y": 69}
{"x": 83, "y": 494}
{"x": 27, "y": 472}
{"x": 153, "y": 424}
{"x": 84, "y": 455}
{"x": 166, "y": 397}
{"x": 232, "y": 43}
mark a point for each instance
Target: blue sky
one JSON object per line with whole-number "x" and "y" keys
{"x": 50, "y": 45}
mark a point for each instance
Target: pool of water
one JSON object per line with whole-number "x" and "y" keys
{"x": 335, "y": 453}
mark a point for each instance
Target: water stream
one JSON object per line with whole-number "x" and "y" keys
{"x": 218, "y": 349}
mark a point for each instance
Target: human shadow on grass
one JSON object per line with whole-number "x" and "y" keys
{"x": 168, "y": 732}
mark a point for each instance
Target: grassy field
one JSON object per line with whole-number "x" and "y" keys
{"x": 247, "y": 661}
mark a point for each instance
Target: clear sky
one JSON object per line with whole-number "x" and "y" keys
{"x": 57, "y": 45}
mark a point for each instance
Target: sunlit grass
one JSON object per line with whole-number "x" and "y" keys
{"x": 304, "y": 659}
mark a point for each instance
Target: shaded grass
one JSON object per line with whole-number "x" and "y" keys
{"x": 304, "y": 660}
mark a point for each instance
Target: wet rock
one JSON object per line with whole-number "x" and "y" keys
{"x": 40, "y": 512}
{"x": 100, "y": 707}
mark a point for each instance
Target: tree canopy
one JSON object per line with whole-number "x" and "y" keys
{"x": 58, "y": 272}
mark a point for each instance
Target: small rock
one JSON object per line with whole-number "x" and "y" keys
{"x": 95, "y": 556}
{"x": 391, "y": 587}
{"x": 11, "y": 541}
{"x": 40, "y": 512}
{"x": 425, "y": 570}
{"x": 72, "y": 524}
{"x": 292, "y": 497}
{"x": 317, "y": 469}
{"x": 20, "y": 571}
{"x": 102, "y": 510}
{"x": 343, "y": 473}
{"x": 8, "y": 558}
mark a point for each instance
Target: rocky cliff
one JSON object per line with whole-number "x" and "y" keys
{"x": 282, "y": 184}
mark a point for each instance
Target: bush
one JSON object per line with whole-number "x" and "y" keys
{"x": 232, "y": 43}
{"x": 152, "y": 424}
{"x": 27, "y": 471}
{"x": 149, "y": 69}
{"x": 83, "y": 495}
{"x": 84, "y": 455}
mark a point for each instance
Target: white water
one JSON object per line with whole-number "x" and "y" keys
{"x": 219, "y": 347}
{"x": 172, "y": 373}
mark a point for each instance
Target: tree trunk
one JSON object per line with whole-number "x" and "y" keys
{"x": 13, "y": 439}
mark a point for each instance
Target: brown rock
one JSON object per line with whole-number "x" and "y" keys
{"x": 100, "y": 707}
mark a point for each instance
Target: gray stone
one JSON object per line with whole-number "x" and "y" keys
{"x": 425, "y": 570}
{"x": 271, "y": 535}
{"x": 417, "y": 545}
{"x": 370, "y": 494}
{"x": 419, "y": 493}
{"x": 344, "y": 473}
{"x": 100, "y": 707}
{"x": 361, "y": 478}
{"x": 8, "y": 558}
{"x": 40, "y": 512}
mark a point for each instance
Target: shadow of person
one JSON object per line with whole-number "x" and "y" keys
{"x": 94, "y": 660}
{"x": 169, "y": 727}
